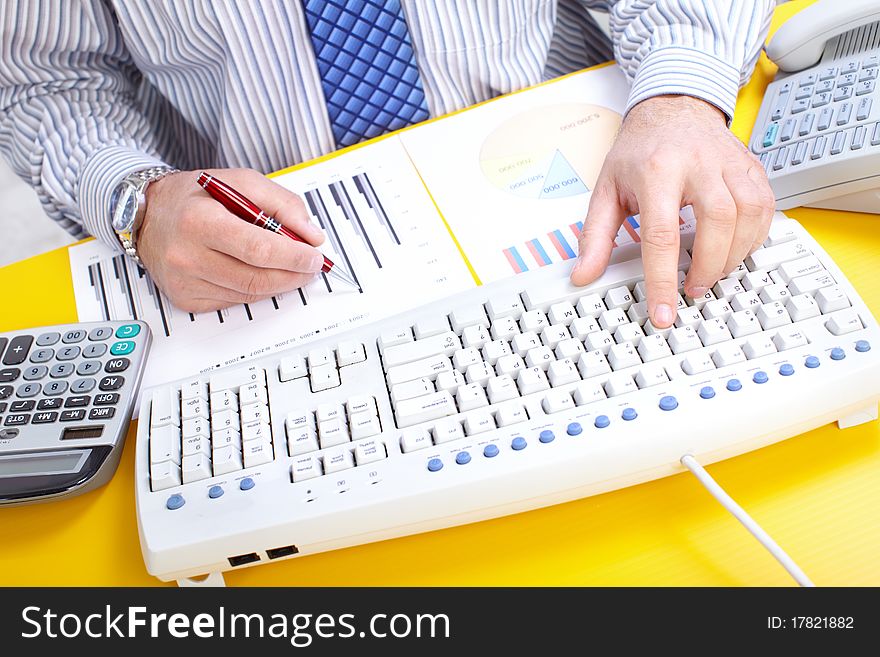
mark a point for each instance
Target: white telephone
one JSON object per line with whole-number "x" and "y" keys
{"x": 818, "y": 130}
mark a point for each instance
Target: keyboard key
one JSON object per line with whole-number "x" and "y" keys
{"x": 557, "y": 401}
{"x": 806, "y": 124}
{"x": 165, "y": 444}
{"x": 757, "y": 346}
{"x": 810, "y": 282}
{"x": 256, "y": 452}
{"x": 461, "y": 318}
{"x": 728, "y": 353}
{"x": 475, "y": 336}
{"x": 469, "y": 397}
{"x": 590, "y": 305}
{"x": 825, "y": 117}
{"x": 427, "y": 327}
{"x": 394, "y": 337}
{"x": 305, "y": 468}
{"x": 342, "y": 459}
{"x": 292, "y": 367}
{"x": 445, "y": 431}
{"x": 532, "y": 379}
{"x": 742, "y": 323}
{"x": 444, "y": 343}
{"x": 858, "y": 139}
{"x": 843, "y": 93}
{"x": 620, "y": 384}
{"x": 505, "y": 305}
{"x": 593, "y": 363}
{"x": 624, "y": 355}
{"x": 423, "y": 409}
{"x": 510, "y": 413}
{"x": 653, "y": 347}
{"x": 801, "y": 307}
{"x": 72, "y": 415}
{"x": 789, "y": 338}
{"x": 697, "y": 363}
{"x": 349, "y": 353}
{"x": 799, "y": 154}
{"x": 819, "y": 100}
{"x": 164, "y": 475}
{"x": 713, "y": 331}
{"x": 225, "y": 460}
{"x": 479, "y": 421}
{"x": 838, "y": 142}
{"x": 651, "y": 375}
{"x": 196, "y": 467}
{"x": 772, "y": 315}
{"x": 587, "y": 393}
{"x": 501, "y": 388}
{"x": 301, "y": 440}
{"x": 562, "y": 313}
{"x": 843, "y": 321}
{"x": 773, "y": 256}
{"x": 863, "y": 111}
{"x": 865, "y": 87}
{"x": 562, "y": 372}
{"x": 831, "y": 298}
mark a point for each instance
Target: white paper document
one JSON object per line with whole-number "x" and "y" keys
{"x": 381, "y": 226}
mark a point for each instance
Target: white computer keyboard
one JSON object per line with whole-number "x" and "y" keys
{"x": 512, "y": 396}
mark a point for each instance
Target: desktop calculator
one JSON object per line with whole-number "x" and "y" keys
{"x": 66, "y": 398}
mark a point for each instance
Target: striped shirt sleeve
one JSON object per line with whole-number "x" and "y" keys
{"x": 69, "y": 118}
{"x": 701, "y": 48}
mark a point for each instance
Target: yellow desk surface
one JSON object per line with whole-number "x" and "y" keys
{"x": 817, "y": 494}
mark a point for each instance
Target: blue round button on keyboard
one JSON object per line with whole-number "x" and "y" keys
{"x": 490, "y": 450}
{"x": 629, "y": 414}
{"x": 863, "y": 346}
{"x": 707, "y": 392}
{"x": 786, "y": 369}
{"x": 601, "y": 421}
{"x": 214, "y": 492}
{"x": 463, "y": 458}
{"x": 175, "y": 502}
{"x": 668, "y": 403}
{"x": 574, "y": 429}
{"x": 518, "y": 443}
{"x": 760, "y": 377}
{"x": 546, "y": 436}
{"x": 733, "y": 385}
{"x": 434, "y": 465}
{"x": 838, "y": 354}
{"x": 246, "y": 484}
{"x": 812, "y": 362}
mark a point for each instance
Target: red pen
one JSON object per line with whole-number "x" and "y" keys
{"x": 244, "y": 208}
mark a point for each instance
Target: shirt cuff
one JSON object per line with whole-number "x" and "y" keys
{"x": 103, "y": 171}
{"x": 675, "y": 70}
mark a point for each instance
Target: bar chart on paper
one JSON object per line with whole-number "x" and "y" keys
{"x": 374, "y": 213}
{"x": 562, "y": 243}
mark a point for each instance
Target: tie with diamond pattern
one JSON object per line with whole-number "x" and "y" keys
{"x": 367, "y": 66}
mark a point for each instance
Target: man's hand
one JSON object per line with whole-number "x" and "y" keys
{"x": 674, "y": 151}
{"x": 205, "y": 258}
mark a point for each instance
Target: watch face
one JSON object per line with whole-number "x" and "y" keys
{"x": 123, "y": 205}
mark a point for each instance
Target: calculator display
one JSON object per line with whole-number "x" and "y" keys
{"x": 42, "y": 464}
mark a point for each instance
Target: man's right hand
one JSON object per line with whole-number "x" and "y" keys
{"x": 205, "y": 258}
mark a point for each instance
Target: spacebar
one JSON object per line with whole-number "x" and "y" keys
{"x": 545, "y": 293}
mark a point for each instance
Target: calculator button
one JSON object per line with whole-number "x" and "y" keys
{"x": 61, "y": 370}
{"x": 827, "y": 85}
{"x": 74, "y": 336}
{"x": 117, "y": 365}
{"x": 81, "y": 386}
{"x": 825, "y": 118}
{"x": 42, "y": 355}
{"x": 67, "y": 353}
{"x": 828, "y": 73}
{"x": 54, "y": 388}
{"x": 844, "y": 114}
{"x": 95, "y": 350}
{"x": 819, "y": 99}
{"x": 858, "y": 139}
{"x": 802, "y": 105}
{"x": 875, "y": 136}
{"x": 17, "y": 350}
{"x": 868, "y": 74}
{"x": 842, "y": 93}
{"x": 35, "y": 373}
{"x": 6, "y": 392}
{"x": 3, "y": 406}
{"x": 871, "y": 60}
{"x": 28, "y": 390}
{"x": 770, "y": 135}
{"x": 88, "y": 367}
{"x": 804, "y": 92}
{"x": 122, "y": 348}
{"x": 17, "y": 420}
{"x": 849, "y": 67}
{"x": 865, "y": 87}
{"x": 73, "y": 416}
{"x": 781, "y": 158}
{"x": 8, "y": 434}
{"x": 838, "y": 143}
{"x": 806, "y": 124}
{"x": 128, "y": 331}
{"x": 48, "y": 339}
{"x": 101, "y": 333}
{"x": 9, "y": 374}
{"x": 787, "y": 130}
{"x": 845, "y": 79}
{"x": 808, "y": 79}
{"x": 106, "y": 399}
{"x": 104, "y": 413}
{"x": 111, "y": 383}
{"x": 22, "y": 405}
{"x": 864, "y": 109}
{"x": 75, "y": 402}
{"x": 50, "y": 403}
{"x": 800, "y": 152}
{"x": 45, "y": 417}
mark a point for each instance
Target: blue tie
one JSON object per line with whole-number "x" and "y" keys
{"x": 367, "y": 66}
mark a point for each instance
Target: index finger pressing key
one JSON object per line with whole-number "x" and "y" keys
{"x": 660, "y": 255}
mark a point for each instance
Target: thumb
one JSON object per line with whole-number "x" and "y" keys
{"x": 604, "y": 217}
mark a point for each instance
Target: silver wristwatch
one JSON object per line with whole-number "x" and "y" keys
{"x": 128, "y": 205}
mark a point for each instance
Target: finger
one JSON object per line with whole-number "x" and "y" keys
{"x": 283, "y": 205}
{"x": 660, "y": 206}
{"x": 258, "y": 247}
{"x": 750, "y": 213}
{"x": 596, "y": 240}
{"x": 716, "y": 214}
{"x": 248, "y": 282}
{"x": 768, "y": 203}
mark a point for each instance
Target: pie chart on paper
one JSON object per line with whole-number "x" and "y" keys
{"x": 550, "y": 152}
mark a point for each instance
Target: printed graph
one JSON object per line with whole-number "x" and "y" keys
{"x": 550, "y": 152}
{"x": 562, "y": 243}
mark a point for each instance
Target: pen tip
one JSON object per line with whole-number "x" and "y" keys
{"x": 344, "y": 276}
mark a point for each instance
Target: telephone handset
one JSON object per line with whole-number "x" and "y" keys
{"x": 818, "y": 130}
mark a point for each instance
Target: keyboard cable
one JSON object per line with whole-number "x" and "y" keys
{"x": 747, "y": 521}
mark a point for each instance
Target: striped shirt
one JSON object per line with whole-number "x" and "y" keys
{"x": 91, "y": 90}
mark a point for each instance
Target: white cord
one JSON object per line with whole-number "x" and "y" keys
{"x": 739, "y": 513}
